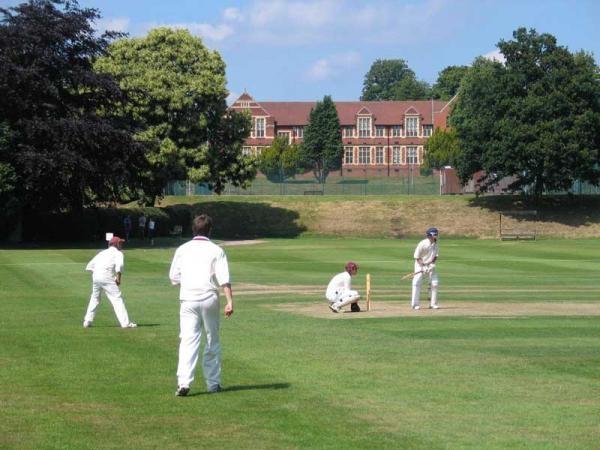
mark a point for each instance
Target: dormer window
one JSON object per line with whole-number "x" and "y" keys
{"x": 245, "y": 104}
{"x": 364, "y": 127}
{"x": 260, "y": 127}
{"x": 412, "y": 126}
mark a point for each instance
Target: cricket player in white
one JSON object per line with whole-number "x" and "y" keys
{"x": 339, "y": 290}
{"x": 106, "y": 268}
{"x": 200, "y": 268}
{"x": 425, "y": 256}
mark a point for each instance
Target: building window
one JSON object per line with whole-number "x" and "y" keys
{"x": 364, "y": 127}
{"x": 379, "y": 155}
{"x": 245, "y": 104}
{"x": 397, "y": 131}
{"x": 427, "y": 130}
{"x": 299, "y": 132}
{"x": 411, "y": 155}
{"x": 379, "y": 131}
{"x": 348, "y": 131}
{"x": 396, "y": 154}
{"x": 412, "y": 126}
{"x": 260, "y": 127}
{"x": 364, "y": 155}
{"x": 246, "y": 151}
{"x": 348, "y": 155}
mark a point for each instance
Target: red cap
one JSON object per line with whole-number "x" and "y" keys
{"x": 351, "y": 266}
{"x": 115, "y": 241}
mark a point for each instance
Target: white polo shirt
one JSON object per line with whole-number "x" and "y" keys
{"x": 427, "y": 251}
{"x": 199, "y": 267}
{"x": 340, "y": 282}
{"x": 106, "y": 264}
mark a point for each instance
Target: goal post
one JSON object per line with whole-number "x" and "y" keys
{"x": 518, "y": 224}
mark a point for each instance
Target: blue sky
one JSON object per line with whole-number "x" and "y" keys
{"x": 305, "y": 49}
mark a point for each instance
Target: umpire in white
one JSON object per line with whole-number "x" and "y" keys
{"x": 200, "y": 268}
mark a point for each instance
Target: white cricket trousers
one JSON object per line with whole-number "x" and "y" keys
{"x": 416, "y": 287}
{"x": 344, "y": 297}
{"x": 113, "y": 293}
{"x": 196, "y": 319}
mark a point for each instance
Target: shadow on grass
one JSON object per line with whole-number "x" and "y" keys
{"x": 248, "y": 387}
{"x": 564, "y": 209}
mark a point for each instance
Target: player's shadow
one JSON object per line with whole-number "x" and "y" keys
{"x": 248, "y": 387}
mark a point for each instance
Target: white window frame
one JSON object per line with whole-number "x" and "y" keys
{"x": 412, "y": 126}
{"x": 299, "y": 132}
{"x": 348, "y": 155}
{"x": 379, "y": 155}
{"x": 427, "y": 130}
{"x": 348, "y": 131}
{"x": 396, "y": 131}
{"x": 364, "y": 126}
{"x": 364, "y": 155}
{"x": 396, "y": 155}
{"x": 379, "y": 131}
{"x": 247, "y": 151}
{"x": 262, "y": 120}
{"x": 409, "y": 157}
{"x": 245, "y": 104}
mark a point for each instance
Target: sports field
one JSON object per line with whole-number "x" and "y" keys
{"x": 512, "y": 360}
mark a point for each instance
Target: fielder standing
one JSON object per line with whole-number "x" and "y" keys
{"x": 106, "y": 268}
{"x": 200, "y": 268}
{"x": 339, "y": 290}
{"x": 425, "y": 256}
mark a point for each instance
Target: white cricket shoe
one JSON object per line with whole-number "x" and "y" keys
{"x": 334, "y": 308}
{"x": 87, "y": 324}
{"x": 434, "y": 307}
{"x": 130, "y": 325}
{"x": 416, "y": 307}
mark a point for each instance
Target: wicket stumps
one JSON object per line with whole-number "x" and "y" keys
{"x": 368, "y": 292}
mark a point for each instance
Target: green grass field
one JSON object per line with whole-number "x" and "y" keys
{"x": 295, "y": 381}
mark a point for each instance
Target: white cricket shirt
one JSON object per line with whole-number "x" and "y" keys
{"x": 199, "y": 267}
{"x": 427, "y": 251}
{"x": 340, "y": 282}
{"x": 106, "y": 264}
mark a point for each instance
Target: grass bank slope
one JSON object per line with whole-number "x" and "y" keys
{"x": 398, "y": 216}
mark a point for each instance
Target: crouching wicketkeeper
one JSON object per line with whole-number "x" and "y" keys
{"x": 339, "y": 290}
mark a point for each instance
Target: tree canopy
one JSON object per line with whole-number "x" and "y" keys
{"x": 57, "y": 152}
{"x": 177, "y": 100}
{"x": 322, "y": 147}
{"x": 448, "y": 82}
{"x": 279, "y": 161}
{"x": 392, "y": 79}
{"x": 536, "y": 118}
{"x": 442, "y": 149}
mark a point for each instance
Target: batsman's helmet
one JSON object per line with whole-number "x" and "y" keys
{"x": 351, "y": 267}
{"x": 432, "y": 232}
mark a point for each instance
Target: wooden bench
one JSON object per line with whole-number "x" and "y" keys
{"x": 518, "y": 235}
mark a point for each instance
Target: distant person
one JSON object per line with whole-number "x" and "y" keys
{"x": 106, "y": 268}
{"x": 425, "y": 256}
{"x": 142, "y": 226}
{"x": 339, "y": 290}
{"x": 151, "y": 229}
{"x": 200, "y": 267}
{"x": 127, "y": 226}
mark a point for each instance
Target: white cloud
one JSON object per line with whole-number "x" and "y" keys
{"x": 495, "y": 55}
{"x": 210, "y": 32}
{"x": 332, "y": 66}
{"x": 232, "y": 15}
{"x": 113, "y": 24}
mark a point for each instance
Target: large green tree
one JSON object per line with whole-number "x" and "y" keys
{"x": 536, "y": 118}
{"x": 448, "y": 82}
{"x": 392, "y": 79}
{"x": 322, "y": 147}
{"x": 442, "y": 149}
{"x": 57, "y": 153}
{"x": 280, "y": 160}
{"x": 177, "y": 99}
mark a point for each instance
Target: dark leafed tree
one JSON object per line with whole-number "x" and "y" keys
{"x": 177, "y": 100}
{"x": 536, "y": 118}
{"x": 448, "y": 82}
{"x": 442, "y": 149}
{"x": 62, "y": 153}
{"x": 322, "y": 147}
{"x": 392, "y": 79}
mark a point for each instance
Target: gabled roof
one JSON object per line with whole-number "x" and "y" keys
{"x": 384, "y": 112}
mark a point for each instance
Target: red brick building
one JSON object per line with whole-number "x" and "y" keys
{"x": 380, "y": 138}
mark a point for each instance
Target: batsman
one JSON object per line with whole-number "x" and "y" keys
{"x": 425, "y": 256}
